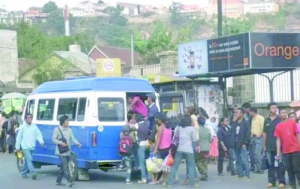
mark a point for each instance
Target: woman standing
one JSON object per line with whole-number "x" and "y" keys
{"x": 225, "y": 146}
{"x": 293, "y": 116}
{"x": 164, "y": 139}
{"x": 62, "y": 136}
{"x": 187, "y": 135}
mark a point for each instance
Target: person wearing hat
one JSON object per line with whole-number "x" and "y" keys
{"x": 152, "y": 111}
{"x": 164, "y": 139}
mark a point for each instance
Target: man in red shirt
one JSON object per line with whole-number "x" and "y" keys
{"x": 289, "y": 139}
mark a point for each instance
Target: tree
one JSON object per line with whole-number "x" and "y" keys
{"x": 100, "y": 2}
{"x": 161, "y": 40}
{"x": 49, "y": 7}
{"x": 174, "y": 9}
{"x": 115, "y": 16}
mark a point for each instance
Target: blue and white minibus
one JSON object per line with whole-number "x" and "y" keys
{"x": 97, "y": 111}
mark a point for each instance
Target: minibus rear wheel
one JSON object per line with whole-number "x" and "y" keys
{"x": 20, "y": 163}
{"x": 73, "y": 167}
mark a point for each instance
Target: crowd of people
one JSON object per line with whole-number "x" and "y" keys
{"x": 250, "y": 142}
{"x": 271, "y": 143}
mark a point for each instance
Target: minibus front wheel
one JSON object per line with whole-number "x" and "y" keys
{"x": 73, "y": 167}
{"x": 20, "y": 163}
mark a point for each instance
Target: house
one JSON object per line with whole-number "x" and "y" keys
{"x": 87, "y": 8}
{"x": 35, "y": 14}
{"x": 79, "y": 65}
{"x": 115, "y": 52}
{"x": 130, "y": 9}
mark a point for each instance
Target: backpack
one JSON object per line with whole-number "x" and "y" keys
{"x": 126, "y": 145}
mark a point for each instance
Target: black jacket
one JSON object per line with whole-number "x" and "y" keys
{"x": 241, "y": 133}
{"x": 225, "y": 135}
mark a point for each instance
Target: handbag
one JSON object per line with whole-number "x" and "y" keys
{"x": 265, "y": 163}
{"x": 175, "y": 139}
{"x": 62, "y": 149}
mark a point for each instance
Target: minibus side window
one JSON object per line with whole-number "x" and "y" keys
{"x": 45, "y": 109}
{"x": 111, "y": 109}
{"x": 81, "y": 109}
{"x": 68, "y": 107}
{"x": 30, "y": 107}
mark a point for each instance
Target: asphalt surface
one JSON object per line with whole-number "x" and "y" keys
{"x": 10, "y": 179}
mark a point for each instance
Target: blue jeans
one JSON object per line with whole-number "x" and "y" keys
{"x": 190, "y": 161}
{"x": 257, "y": 149}
{"x": 187, "y": 168}
{"x": 128, "y": 163}
{"x": 28, "y": 166}
{"x": 142, "y": 161}
{"x": 242, "y": 162}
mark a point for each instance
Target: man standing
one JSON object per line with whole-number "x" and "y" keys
{"x": 241, "y": 136}
{"x": 152, "y": 111}
{"x": 26, "y": 140}
{"x": 257, "y": 128}
{"x": 288, "y": 139}
{"x": 246, "y": 106}
{"x": 270, "y": 148}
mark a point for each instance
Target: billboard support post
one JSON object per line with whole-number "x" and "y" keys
{"x": 292, "y": 84}
{"x": 271, "y": 83}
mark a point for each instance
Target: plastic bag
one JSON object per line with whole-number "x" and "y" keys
{"x": 154, "y": 164}
{"x": 167, "y": 163}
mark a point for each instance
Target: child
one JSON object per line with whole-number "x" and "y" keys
{"x": 126, "y": 150}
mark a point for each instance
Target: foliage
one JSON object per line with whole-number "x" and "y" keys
{"x": 161, "y": 40}
{"x": 33, "y": 44}
{"x": 49, "y": 7}
{"x": 100, "y": 2}
{"x": 174, "y": 9}
{"x": 115, "y": 16}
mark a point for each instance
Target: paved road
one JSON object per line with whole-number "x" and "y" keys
{"x": 10, "y": 179}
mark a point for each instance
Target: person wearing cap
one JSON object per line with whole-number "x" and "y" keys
{"x": 152, "y": 111}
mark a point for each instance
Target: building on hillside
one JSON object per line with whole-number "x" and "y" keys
{"x": 230, "y": 8}
{"x": 192, "y": 11}
{"x": 116, "y": 52}
{"x": 130, "y": 9}
{"x": 35, "y": 14}
{"x": 261, "y": 7}
{"x": 10, "y": 18}
{"x": 88, "y": 9}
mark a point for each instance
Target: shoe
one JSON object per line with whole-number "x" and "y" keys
{"x": 221, "y": 174}
{"x": 246, "y": 177}
{"x": 260, "y": 172}
{"x": 233, "y": 174}
{"x": 270, "y": 185}
{"x": 71, "y": 184}
{"x": 281, "y": 185}
{"x": 204, "y": 178}
{"x": 24, "y": 176}
{"x": 34, "y": 177}
{"x": 60, "y": 184}
{"x": 128, "y": 182}
{"x": 143, "y": 181}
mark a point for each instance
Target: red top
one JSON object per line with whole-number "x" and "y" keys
{"x": 287, "y": 132}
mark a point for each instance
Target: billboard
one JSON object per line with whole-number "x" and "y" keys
{"x": 275, "y": 50}
{"x": 192, "y": 58}
{"x": 240, "y": 54}
{"x": 108, "y": 67}
{"x": 228, "y": 53}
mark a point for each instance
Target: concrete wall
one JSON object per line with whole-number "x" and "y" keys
{"x": 8, "y": 56}
{"x": 243, "y": 89}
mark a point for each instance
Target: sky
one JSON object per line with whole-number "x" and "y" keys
{"x": 25, "y": 4}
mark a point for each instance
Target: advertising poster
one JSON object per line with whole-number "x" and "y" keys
{"x": 275, "y": 50}
{"x": 228, "y": 53}
{"x": 192, "y": 58}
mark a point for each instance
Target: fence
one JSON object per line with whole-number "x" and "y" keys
{"x": 286, "y": 87}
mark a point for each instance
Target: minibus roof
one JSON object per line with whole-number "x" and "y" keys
{"x": 117, "y": 84}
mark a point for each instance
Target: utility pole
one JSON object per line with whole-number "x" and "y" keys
{"x": 132, "y": 52}
{"x": 220, "y": 18}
